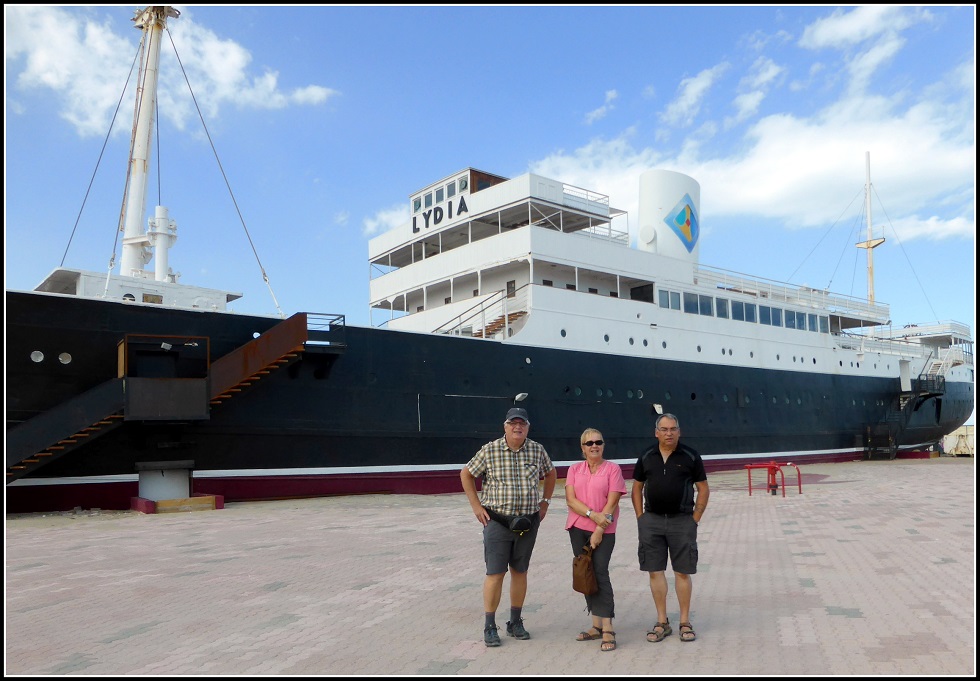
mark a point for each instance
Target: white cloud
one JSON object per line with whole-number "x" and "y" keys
{"x": 691, "y": 93}
{"x": 53, "y": 44}
{"x": 386, "y": 219}
{"x": 850, "y": 27}
{"x": 601, "y": 112}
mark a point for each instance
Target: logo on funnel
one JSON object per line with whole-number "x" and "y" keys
{"x": 684, "y": 221}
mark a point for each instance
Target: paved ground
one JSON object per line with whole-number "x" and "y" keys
{"x": 871, "y": 571}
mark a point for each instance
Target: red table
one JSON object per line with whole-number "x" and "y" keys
{"x": 773, "y": 468}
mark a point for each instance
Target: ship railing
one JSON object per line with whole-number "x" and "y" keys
{"x": 493, "y": 315}
{"x": 781, "y": 292}
{"x": 953, "y": 329}
{"x": 326, "y": 329}
{"x": 576, "y": 197}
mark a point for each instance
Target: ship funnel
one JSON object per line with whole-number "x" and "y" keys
{"x": 670, "y": 214}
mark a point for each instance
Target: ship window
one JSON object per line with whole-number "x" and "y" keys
{"x": 37, "y": 356}
{"x": 511, "y": 288}
{"x": 790, "y": 319}
{"x": 613, "y": 294}
{"x": 721, "y": 308}
{"x": 691, "y": 303}
{"x": 420, "y": 308}
{"x": 578, "y": 391}
{"x": 631, "y": 341}
{"x": 593, "y": 290}
{"x": 563, "y": 333}
{"x": 570, "y": 287}
{"x": 440, "y": 195}
{"x": 416, "y": 204}
{"x": 738, "y": 310}
{"x": 64, "y": 358}
{"x": 451, "y": 189}
{"x": 801, "y": 321}
{"x": 428, "y": 200}
{"x": 642, "y": 293}
{"x": 476, "y": 292}
{"x": 447, "y": 300}
{"x": 664, "y": 299}
{"x": 777, "y": 317}
{"x": 750, "y": 312}
{"x": 765, "y": 316}
{"x": 154, "y": 298}
{"x": 824, "y": 325}
{"x": 548, "y": 282}
{"x": 705, "y": 305}
{"x": 639, "y": 394}
{"x": 129, "y": 296}
{"x": 811, "y": 320}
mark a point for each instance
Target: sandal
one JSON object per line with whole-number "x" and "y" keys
{"x": 655, "y": 636}
{"x": 588, "y": 635}
{"x": 688, "y": 635}
{"x": 608, "y": 645}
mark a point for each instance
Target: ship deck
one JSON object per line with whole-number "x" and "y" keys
{"x": 871, "y": 571}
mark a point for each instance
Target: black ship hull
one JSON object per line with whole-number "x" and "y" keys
{"x": 394, "y": 411}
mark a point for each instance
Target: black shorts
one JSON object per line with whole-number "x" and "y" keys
{"x": 673, "y": 534}
{"x": 501, "y": 547}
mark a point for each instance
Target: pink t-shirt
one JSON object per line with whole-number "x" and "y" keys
{"x": 593, "y": 490}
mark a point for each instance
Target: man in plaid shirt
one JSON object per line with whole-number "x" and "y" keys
{"x": 510, "y": 468}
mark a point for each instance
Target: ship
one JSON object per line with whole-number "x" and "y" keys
{"x": 495, "y": 292}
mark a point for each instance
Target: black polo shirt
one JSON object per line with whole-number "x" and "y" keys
{"x": 668, "y": 486}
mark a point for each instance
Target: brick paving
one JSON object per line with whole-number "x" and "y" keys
{"x": 871, "y": 571}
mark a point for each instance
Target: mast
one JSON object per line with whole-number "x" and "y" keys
{"x": 870, "y": 243}
{"x": 138, "y": 247}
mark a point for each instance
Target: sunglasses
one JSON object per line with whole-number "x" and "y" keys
{"x": 592, "y": 442}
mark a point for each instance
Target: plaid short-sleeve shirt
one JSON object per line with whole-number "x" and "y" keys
{"x": 510, "y": 479}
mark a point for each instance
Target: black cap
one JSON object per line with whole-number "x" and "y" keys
{"x": 516, "y": 413}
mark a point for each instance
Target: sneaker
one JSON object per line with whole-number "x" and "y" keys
{"x": 490, "y": 637}
{"x": 517, "y": 630}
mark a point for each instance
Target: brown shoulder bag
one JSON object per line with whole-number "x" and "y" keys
{"x": 583, "y": 576}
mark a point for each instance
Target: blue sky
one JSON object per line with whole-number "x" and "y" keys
{"x": 325, "y": 120}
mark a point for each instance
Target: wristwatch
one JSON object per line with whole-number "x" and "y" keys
{"x": 609, "y": 517}
{"x": 547, "y": 501}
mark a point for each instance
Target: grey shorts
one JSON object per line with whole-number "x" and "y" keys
{"x": 501, "y": 547}
{"x": 660, "y": 535}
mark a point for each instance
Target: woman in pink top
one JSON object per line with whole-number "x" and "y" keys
{"x": 592, "y": 491}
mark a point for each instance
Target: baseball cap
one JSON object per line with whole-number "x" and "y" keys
{"x": 517, "y": 413}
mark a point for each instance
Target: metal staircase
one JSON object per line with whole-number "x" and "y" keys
{"x": 882, "y": 439}
{"x": 165, "y": 378}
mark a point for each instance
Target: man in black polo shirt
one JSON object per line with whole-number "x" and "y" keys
{"x": 667, "y": 516}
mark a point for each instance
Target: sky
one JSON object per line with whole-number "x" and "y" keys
{"x": 319, "y": 122}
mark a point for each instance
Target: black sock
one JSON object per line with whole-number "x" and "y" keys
{"x": 515, "y": 615}
{"x": 490, "y": 620}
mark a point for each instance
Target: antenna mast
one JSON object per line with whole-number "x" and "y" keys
{"x": 870, "y": 243}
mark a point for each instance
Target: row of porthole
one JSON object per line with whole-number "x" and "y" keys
{"x": 38, "y": 357}
{"x": 608, "y": 393}
{"x": 856, "y": 365}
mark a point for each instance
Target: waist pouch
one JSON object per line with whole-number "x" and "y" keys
{"x": 515, "y": 523}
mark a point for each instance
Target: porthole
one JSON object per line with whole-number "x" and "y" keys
{"x": 609, "y": 393}
{"x": 694, "y": 396}
{"x": 664, "y": 344}
{"x": 255, "y": 334}
{"x": 723, "y": 351}
{"x": 631, "y": 341}
{"x": 814, "y": 360}
{"x": 527, "y": 360}
{"x": 578, "y": 391}
{"x": 751, "y": 354}
{"x": 644, "y": 342}
{"x": 699, "y": 348}
{"x": 64, "y": 358}
{"x": 786, "y": 399}
{"x": 729, "y": 352}
{"x": 629, "y": 394}
{"x": 777, "y": 356}
{"x": 639, "y": 394}
{"x": 774, "y": 400}
{"x": 563, "y": 333}
{"x": 724, "y": 397}
{"x": 606, "y": 337}
{"x": 747, "y": 399}
{"x": 667, "y": 395}
{"x": 598, "y": 392}
{"x": 37, "y": 356}
{"x": 799, "y": 400}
